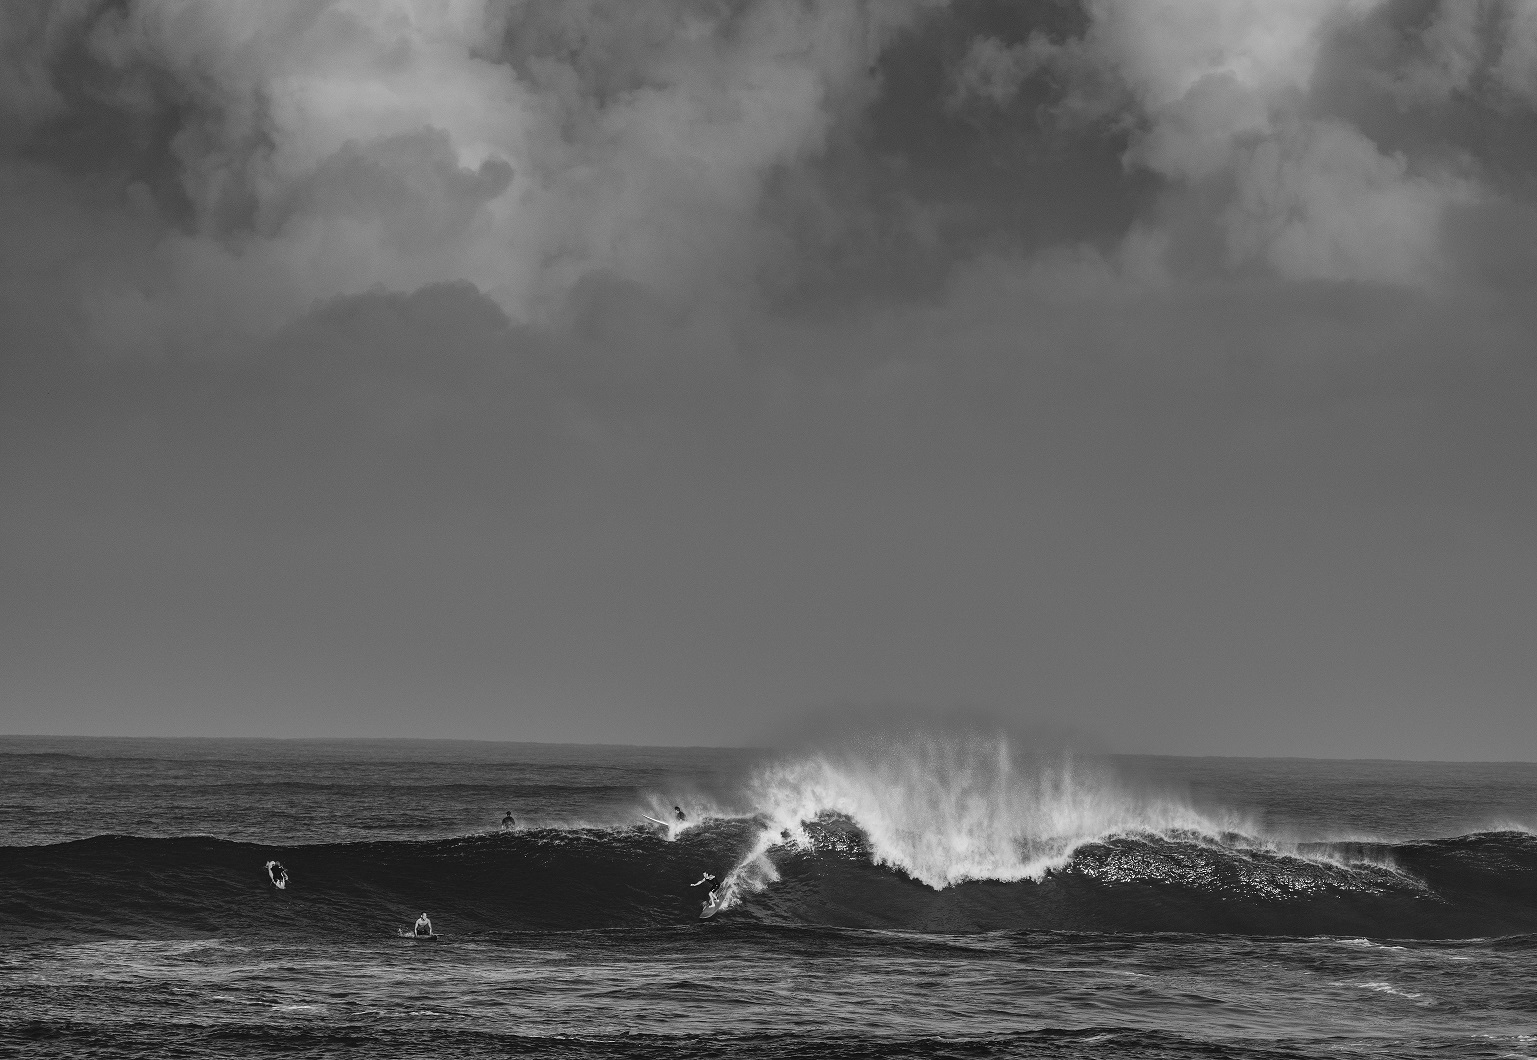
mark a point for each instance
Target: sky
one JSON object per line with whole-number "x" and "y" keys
{"x": 654, "y": 371}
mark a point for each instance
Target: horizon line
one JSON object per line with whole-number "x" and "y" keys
{"x": 725, "y": 747}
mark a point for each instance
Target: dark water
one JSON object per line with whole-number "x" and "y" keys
{"x": 912, "y": 896}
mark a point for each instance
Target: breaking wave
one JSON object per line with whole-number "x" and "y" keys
{"x": 116, "y": 886}
{"x": 922, "y": 832}
{"x": 957, "y": 808}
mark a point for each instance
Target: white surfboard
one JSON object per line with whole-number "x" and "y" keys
{"x": 422, "y": 938}
{"x": 709, "y": 910}
{"x": 653, "y": 820}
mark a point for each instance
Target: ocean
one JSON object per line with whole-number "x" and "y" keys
{"x": 916, "y": 894}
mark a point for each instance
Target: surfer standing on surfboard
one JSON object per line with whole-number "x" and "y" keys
{"x": 714, "y": 898}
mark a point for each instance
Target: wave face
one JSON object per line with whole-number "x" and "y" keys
{"x": 951, "y": 832}
{"x": 111, "y": 886}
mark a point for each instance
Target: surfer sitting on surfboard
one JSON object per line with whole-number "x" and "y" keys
{"x": 423, "y": 926}
{"x": 508, "y": 822}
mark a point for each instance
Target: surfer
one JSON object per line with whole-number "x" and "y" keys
{"x": 508, "y": 822}
{"x": 277, "y": 874}
{"x": 423, "y": 926}
{"x": 679, "y": 811}
{"x": 706, "y": 878}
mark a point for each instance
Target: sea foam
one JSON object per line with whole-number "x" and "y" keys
{"x": 946, "y": 808}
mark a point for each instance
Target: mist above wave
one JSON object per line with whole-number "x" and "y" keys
{"x": 950, "y": 807}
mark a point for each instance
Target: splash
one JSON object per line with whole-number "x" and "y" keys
{"x": 949, "y": 808}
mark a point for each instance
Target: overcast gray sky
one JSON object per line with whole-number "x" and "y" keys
{"x": 645, "y": 371}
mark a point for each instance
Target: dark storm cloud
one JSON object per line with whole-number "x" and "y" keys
{"x": 638, "y": 370}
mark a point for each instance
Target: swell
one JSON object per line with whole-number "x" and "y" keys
{"x": 1477, "y": 885}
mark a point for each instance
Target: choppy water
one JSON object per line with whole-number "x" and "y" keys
{"x": 907, "y": 896}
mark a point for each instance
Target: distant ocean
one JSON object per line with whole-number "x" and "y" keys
{"x": 910, "y": 895}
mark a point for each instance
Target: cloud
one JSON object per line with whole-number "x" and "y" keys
{"x": 994, "y": 71}
{"x": 1224, "y": 90}
{"x": 1473, "y": 49}
{"x": 319, "y": 149}
{"x": 724, "y": 159}
{"x": 1516, "y": 69}
{"x": 1449, "y": 54}
{"x": 1320, "y": 201}
{"x": 1220, "y": 101}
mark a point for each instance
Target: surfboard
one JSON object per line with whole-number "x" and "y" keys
{"x": 709, "y": 910}
{"x": 422, "y": 938}
{"x": 653, "y": 820}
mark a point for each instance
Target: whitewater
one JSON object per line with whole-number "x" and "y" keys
{"x": 906, "y": 892}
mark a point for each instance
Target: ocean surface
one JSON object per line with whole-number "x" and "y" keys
{"x": 912, "y": 894}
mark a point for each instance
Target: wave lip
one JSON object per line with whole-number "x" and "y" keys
{"x": 950, "y": 809}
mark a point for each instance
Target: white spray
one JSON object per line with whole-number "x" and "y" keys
{"x": 951, "y": 807}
